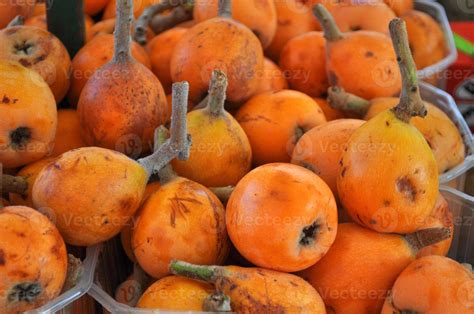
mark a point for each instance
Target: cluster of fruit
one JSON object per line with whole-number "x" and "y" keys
{"x": 326, "y": 194}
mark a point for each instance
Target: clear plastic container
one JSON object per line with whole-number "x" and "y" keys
{"x": 455, "y": 177}
{"x": 436, "y": 73}
{"x": 66, "y": 300}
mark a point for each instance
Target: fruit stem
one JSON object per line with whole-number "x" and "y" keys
{"x": 411, "y": 104}
{"x": 338, "y": 98}
{"x": 17, "y": 21}
{"x": 217, "y": 302}
{"x": 196, "y": 272}
{"x": 75, "y": 270}
{"x": 179, "y": 143}
{"x": 426, "y": 237}
{"x": 123, "y": 24}
{"x": 331, "y": 31}
{"x": 166, "y": 174}
{"x": 223, "y": 193}
{"x": 225, "y": 8}
{"x": 143, "y": 21}
{"x": 217, "y": 92}
{"x": 12, "y": 184}
{"x": 161, "y": 23}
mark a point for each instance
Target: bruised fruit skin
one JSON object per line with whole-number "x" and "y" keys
{"x": 88, "y": 217}
{"x": 33, "y": 260}
{"x": 365, "y": 55}
{"x": 94, "y": 55}
{"x": 160, "y": 50}
{"x": 400, "y": 7}
{"x": 439, "y": 131}
{"x": 285, "y": 115}
{"x": 68, "y": 134}
{"x": 93, "y": 7}
{"x": 109, "y": 112}
{"x": 217, "y": 140}
{"x": 362, "y": 16}
{"x": 426, "y": 38}
{"x": 321, "y": 148}
{"x": 297, "y": 209}
{"x": 432, "y": 284}
{"x": 304, "y": 58}
{"x": 182, "y": 219}
{"x": 273, "y": 79}
{"x": 350, "y": 277}
{"x": 259, "y": 16}
{"x": 256, "y": 290}
{"x": 41, "y": 51}
{"x": 30, "y": 173}
{"x": 224, "y": 44}
{"x": 188, "y": 295}
{"x": 293, "y": 19}
{"x": 441, "y": 216}
{"x": 9, "y": 9}
{"x": 28, "y": 115}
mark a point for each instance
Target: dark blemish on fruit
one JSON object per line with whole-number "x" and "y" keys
{"x": 386, "y": 203}
{"x": 308, "y": 235}
{"x": 369, "y": 54}
{"x": 387, "y": 123}
{"x": 57, "y": 166}
{"x": 343, "y": 172}
{"x": 372, "y": 221}
{"x": 406, "y": 187}
{"x": 2, "y": 258}
{"x": 355, "y": 28}
{"x": 293, "y": 284}
{"x": 24, "y": 62}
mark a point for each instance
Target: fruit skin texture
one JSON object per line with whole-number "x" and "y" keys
{"x": 439, "y": 131}
{"x": 400, "y": 7}
{"x": 268, "y": 211}
{"x": 131, "y": 103}
{"x": 367, "y": 56}
{"x": 304, "y": 58}
{"x": 388, "y": 180}
{"x": 321, "y": 149}
{"x": 182, "y": 220}
{"x": 258, "y": 15}
{"x": 426, "y": 38}
{"x": 160, "y": 49}
{"x": 68, "y": 134}
{"x": 94, "y": 55}
{"x": 218, "y": 141}
{"x": 441, "y": 216}
{"x": 223, "y": 44}
{"x": 176, "y": 294}
{"x": 30, "y": 173}
{"x": 33, "y": 254}
{"x": 69, "y": 187}
{"x": 350, "y": 277}
{"x": 9, "y": 9}
{"x": 329, "y": 112}
{"x": 94, "y": 6}
{"x": 371, "y": 16}
{"x": 273, "y": 79}
{"x": 432, "y": 284}
{"x": 285, "y": 115}
{"x": 29, "y": 112}
{"x": 44, "y": 53}
{"x": 293, "y": 19}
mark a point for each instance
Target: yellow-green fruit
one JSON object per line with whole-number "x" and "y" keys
{"x": 220, "y": 153}
{"x": 91, "y": 193}
{"x": 388, "y": 180}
